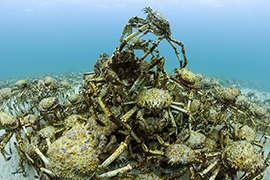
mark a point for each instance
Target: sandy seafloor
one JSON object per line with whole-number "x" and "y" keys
{"x": 9, "y": 170}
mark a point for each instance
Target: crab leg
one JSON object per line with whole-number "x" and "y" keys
{"x": 2, "y": 146}
{"x": 151, "y": 49}
{"x": 41, "y": 155}
{"x": 141, "y": 29}
{"x": 173, "y": 121}
{"x": 110, "y": 159}
{"x": 161, "y": 141}
{"x": 86, "y": 74}
{"x": 177, "y": 53}
{"x": 139, "y": 82}
{"x": 105, "y": 109}
{"x": 179, "y": 109}
{"x": 48, "y": 172}
{"x": 132, "y": 23}
{"x": 214, "y": 174}
{"x": 114, "y": 172}
{"x": 211, "y": 166}
{"x": 155, "y": 152}
{"x": 188, "y": 109}
{"x": 160, "y": 68}
{"x": 126, "y": 116}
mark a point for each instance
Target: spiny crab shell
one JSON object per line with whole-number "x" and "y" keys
{"x": 179, "y": 154}
{"x": 159, "y": 21}
{"x": 48, "y": 103}
{"x": 7, "y": 121}
{"x": 65, "y": 84}
{"x": 246, "y": 133}
{"x": 122, "y": 66}
{"x": 5, "y": 93}
{"x": 154, "y": 98}
{"x": 123, "y": 57}
{"x": 49, "y": 81}
{"x": 72, "y": 120}
{"x": 192, "y": 139}
{"x": 47, "y": 132}
{"x": 76, "y": 98}
{"x": 21, "y": 84}
{"x": 74, "y": 155}
{"x": 153, "y": 125}
{"x": 30, "y": 119}
{"x": 242, "y": 156}
{"x": 100, "y": 61}
{"x": 228, "y": 95}
{"x": 187, "y": 78}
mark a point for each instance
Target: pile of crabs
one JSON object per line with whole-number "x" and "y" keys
{"x": 131, "y": 120}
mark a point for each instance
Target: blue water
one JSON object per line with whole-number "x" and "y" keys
{"x": 222, "y": 38}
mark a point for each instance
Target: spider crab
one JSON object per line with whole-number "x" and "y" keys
{"x": 75, "y": 155}
{"x": 237, "y": 156}
{"x": 157, "y": 24}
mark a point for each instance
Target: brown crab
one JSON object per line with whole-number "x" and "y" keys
{"x": 6, "y": 97}
{"x": 176, "y": 159}
{"x": 237, "y": 156}
{"x": 124, "y": 68}
{"x": 78, "y": 103}
{"x": 75, "y": 155}
{"x": 12, "y": 125}
{"x": 157, "y": 24}
{"x": 157, "y": 103}
{"x": 49, "y": 108}
{"x": 186, "y": 78}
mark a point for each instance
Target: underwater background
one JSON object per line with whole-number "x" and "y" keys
{"x": 223, "y": 38}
